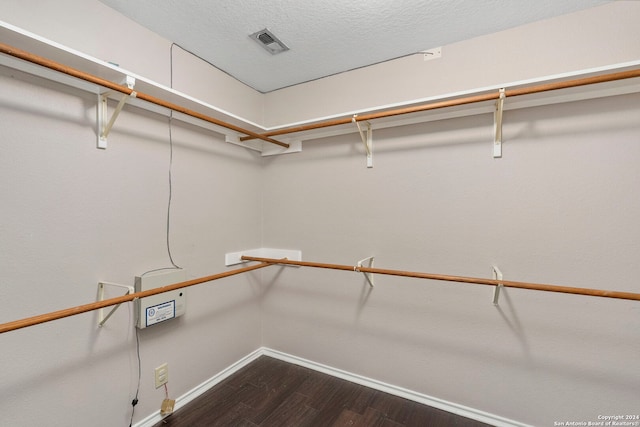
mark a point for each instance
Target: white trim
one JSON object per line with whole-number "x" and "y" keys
{"x": 183, "y": 400}
{"x": 587, "y": 72}
{"x": 56, "y": 51}
{"x": 424, "y": 399}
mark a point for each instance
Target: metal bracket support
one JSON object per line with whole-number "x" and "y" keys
{"x": 497, "y": 275}
{"x": 102, "y": 319}
{"x": 497, "y": 119}
{"x": 367, "y": 139}
{"x": 368, "y": 276}
{"x": 104, "y": 122}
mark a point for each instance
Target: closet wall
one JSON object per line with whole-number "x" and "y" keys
{"x": 595, "y": 37}
{"x": 73, "y": 215}
{"x": 559, "y": 207}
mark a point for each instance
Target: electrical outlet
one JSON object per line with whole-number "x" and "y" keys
{"x": 162, "y": 375}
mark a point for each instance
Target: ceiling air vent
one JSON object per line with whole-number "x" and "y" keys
{"x": 267, "y": 40}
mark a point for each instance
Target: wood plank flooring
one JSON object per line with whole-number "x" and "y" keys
{"x": 269, "y": 392}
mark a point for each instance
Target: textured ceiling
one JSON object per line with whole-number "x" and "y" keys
{"x": 327, "y": 37}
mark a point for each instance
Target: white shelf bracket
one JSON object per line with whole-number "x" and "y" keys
{"x": 233, "y": 258}
{"x": 497, "y": 275}
{"x": 497, "y": 119}
{"x": 104, "y": 122}
{"x": 234, "y": 138}
{"x": 367, "y": 139}
{"x": 368, "y": 276}
{"x": 102, "y": 319}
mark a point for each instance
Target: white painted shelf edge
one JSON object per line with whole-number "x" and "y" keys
{"x": 33, "y": 43}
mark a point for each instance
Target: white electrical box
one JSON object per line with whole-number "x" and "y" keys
{"x": 161, "y": 307}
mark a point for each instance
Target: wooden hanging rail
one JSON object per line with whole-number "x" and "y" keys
{"x": 472, "y": 280}
{"x": 621, "y": 75}
{"x": 47, "y": 63}
{"x": 42, "y": 318}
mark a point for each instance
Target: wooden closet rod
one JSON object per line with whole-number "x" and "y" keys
{"x": 42, "y": 318}
{"x": 621, "y": 75}
{"x": 47, "y": 63}
{"x": 472, "y": 280}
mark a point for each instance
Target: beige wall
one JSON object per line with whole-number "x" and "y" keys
{"x": 559, "y": 207}
{"x": 73, "y": 215}
{"x": 594, "y": 37}
{"x": 96, "y": 30}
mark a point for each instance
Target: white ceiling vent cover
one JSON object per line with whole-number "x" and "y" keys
{"x": 270, "y": 42}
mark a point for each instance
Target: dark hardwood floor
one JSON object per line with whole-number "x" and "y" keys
{"x": 270, "y": 392}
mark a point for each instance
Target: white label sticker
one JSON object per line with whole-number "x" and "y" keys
{"x": 161, "y": 312}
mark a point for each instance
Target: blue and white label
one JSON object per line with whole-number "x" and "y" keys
{"x": 161, "y": 312}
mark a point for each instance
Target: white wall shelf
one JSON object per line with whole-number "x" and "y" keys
{"x": 40, "y": 46}
{"x": 24, "y": 40}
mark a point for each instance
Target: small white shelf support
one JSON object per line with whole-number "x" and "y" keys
{"x": 233, "y": 258}
{"x": 497, "y": 119}
{"x": 430, "y": 54}
{"x": 102, "y": 319}
{"x": 497, "y": 275}
{"x": 268, "y": 149}
{"x": 234, "y": 138}
{"x": 368, "y": 276}
{"x": 104, "y": 122}
{"x": 367, "y": 139}
{"x": 265, "y": 148}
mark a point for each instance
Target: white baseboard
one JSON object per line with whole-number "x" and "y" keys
{"x": 181, "y": 401}
{"x": 424, "y": 399}
{"x": 434, "y": 402}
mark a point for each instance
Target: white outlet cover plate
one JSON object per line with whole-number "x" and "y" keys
{"x": 162, "y": 375}
{"x": 233, "y": 258}
{"x": 434, "y": 53}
